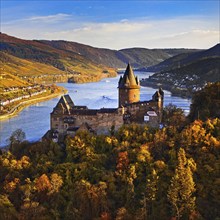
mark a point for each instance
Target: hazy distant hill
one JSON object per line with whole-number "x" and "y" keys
{"x": 186, "y": 58}
{"x": 138, "y": 57}
{"x": 98, "y": 56}
{"x": 187, "y": 72}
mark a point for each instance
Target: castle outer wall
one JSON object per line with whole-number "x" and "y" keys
{"x": 100, "y": 121}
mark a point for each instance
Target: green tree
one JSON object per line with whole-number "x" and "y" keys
{"x": 182, "y": 188}
{"x": 16, "y": 138}
{"x": 173, "y": 116}
{"x": 7, "y": 209}
{"x": 206, "y": 103}
{"x": 149, "y": 196}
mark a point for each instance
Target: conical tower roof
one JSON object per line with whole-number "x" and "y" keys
{"x": 65, "y": 102}
{"x": 128, "y": 80}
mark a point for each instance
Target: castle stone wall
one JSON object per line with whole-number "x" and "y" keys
{"x": 100, "y": 123}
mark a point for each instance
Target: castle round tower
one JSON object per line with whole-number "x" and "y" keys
{"x": 129, "y": 88}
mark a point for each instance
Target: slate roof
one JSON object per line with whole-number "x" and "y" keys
{"x": 129, "y": 80}
{"x": 65, "y": 102}
{"x": 68, "y": 100}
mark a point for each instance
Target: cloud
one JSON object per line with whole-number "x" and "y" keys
{"x": 179, "y": 32}
{"x": 39, "y": 19}
{"x": 191, "y": 39}
{"x": 49, "y": 18}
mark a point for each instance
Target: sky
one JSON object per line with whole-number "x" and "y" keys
{"x": 115, "y": 24}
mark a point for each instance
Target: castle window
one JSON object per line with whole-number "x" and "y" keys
{"x": 134, "y": 96}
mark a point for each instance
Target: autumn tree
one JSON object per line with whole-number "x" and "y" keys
{"x": 124, "y": 176}
{"x": 56, "y": 182}
{"x": 43, "y": 187}
{"x": 91, "y": 199}
{"x": 182, "y": 187}
{"x": 43, "y": 183}
{"x": 31, "y": 209}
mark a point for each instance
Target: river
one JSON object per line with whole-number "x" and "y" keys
{"x": 34, "y": 120}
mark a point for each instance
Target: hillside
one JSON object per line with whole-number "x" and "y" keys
{"x": 138, "y": 57}
{"x": 99, "y": 56}
{"x": 186, "y": 58}
{"x": 7, "y": 79}
{"x": 65, "y": 62}
{"x": 27, "y": 70}
{"x": 174, "y": 59}
{"x": 186, "y": 73}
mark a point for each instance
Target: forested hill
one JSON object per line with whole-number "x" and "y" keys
{"x": 188, "y": 72}
{"x": 184, "y": 59}
{"x": 138, "y": 57}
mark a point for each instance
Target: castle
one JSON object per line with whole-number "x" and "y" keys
{"x": 67, "y": 118}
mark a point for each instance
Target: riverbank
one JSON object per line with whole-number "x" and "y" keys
{"x": 20, "y": 106}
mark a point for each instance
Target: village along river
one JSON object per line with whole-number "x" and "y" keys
{"x": 34, "y": 120}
